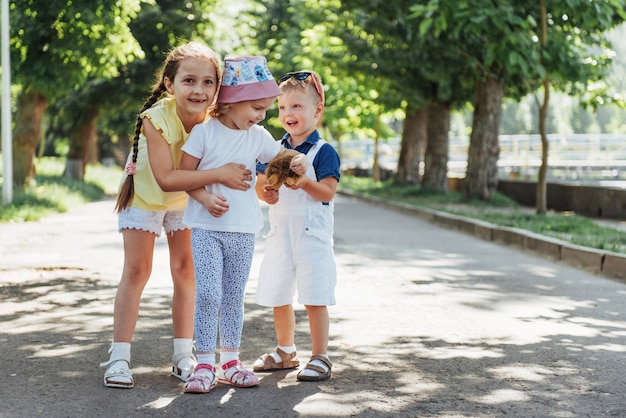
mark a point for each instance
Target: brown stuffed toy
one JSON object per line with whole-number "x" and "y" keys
{"x": 278, "y": 171}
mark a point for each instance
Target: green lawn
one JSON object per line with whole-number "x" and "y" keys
{"x": 51, "y": 192}
{"x": 501, "y": 211}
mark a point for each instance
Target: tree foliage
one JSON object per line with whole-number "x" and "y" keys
{"x": 501, "y": 43}
{"x": 95, "y": 62}
{"x": 157, "y": 28}
{"x": 57, "y": 45}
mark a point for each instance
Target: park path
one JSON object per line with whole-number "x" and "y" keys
{"x": 429, "y": 322}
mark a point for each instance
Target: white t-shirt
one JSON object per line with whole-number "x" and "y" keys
{"x": 217, "y": 145}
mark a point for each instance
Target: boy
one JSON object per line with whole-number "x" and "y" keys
{"x": 299, "y": 248}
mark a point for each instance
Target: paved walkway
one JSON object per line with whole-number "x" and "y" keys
{"x": 429, "y": 323}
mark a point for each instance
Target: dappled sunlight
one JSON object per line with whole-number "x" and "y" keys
{"x": 520, "y": 372}
{"x": 516, "y": 323}
{"x": 599, "y": 322}
{"x": 539, "y": 271}
{"x": 227, "y": 397}
{"x": 162, "y": 402}
{"x": 53, "y": 350}
{"x": 71, "y": 304}
{"x": 457, "y": 351}
{"x": 616, "y": 348}
{"x": 356, "y": 402}
{"x": 502, "y": 396}
{"x": 422, "y": 327}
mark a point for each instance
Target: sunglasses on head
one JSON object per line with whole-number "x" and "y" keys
{"x": 301, "y": 76}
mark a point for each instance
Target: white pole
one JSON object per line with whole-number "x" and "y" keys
{"x": 7, "y": 141}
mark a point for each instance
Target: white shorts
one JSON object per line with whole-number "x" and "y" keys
{"x": 298, "y": 257}
{"x": 147, "y": 220}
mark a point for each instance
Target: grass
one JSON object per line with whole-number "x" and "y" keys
{"x": 51, "y": 192}
{"x": 501, "y": 211}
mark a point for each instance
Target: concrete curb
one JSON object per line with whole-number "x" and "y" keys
{"x": 606, "y": 263}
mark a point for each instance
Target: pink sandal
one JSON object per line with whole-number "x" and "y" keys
{"x": 233, "y": 373}
{"x": 202, "y": 380}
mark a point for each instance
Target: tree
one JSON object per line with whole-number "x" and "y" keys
{"x": 414, "y": 139}
{"x": 294, "y": 38}
{"x": 502, "y": 44}
{"x": 157, "y": 27}
{"x": 573, "y": 56}
{"x": 426, "y": 78}
{"x": 56, "y": 46}
{"x": 493, "y": 40}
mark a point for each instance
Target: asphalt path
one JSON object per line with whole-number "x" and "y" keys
{"x": 429, "y": 322}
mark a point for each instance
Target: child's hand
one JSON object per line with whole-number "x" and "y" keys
{"x": 236, "y": 176}
{"x": 215, "y": 204}
{"x": 270, "y": 196}
{"x": 299, "y": 164}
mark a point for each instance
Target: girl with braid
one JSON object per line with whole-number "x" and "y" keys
{"x": 153, "y": 198}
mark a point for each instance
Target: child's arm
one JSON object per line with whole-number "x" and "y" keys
{"x": 214, "y": 203}
{"x": 232, "y": 175}
{"x": 323, "y": 190}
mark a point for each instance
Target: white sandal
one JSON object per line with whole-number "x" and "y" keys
{"x": 118, "y": 374}
{"x": 184, "y": 372}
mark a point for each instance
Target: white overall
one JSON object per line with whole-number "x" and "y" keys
{"x": 299, "y": 249}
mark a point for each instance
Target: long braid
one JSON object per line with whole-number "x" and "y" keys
{"x": 127, "y": 191}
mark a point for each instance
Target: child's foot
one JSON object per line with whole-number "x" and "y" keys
{"x": 317, "y": 369}
{"x": 118, "y": 375}
{"x": 183, "y": 365}
{"x": 202, "y": 380}
{"x": 233, "y": 373}
{"x": 276, "y": 360}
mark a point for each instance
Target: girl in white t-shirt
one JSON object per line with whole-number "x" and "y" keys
{"x": 224, "y": 221}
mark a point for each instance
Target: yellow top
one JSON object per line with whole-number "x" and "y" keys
{"x": 148, "y": 193}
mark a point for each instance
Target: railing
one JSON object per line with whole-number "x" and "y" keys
{"x": 572, "y": 158}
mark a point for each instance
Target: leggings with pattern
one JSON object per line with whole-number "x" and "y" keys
{"x": 222, "y": 262}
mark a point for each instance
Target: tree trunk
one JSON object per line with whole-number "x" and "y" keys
{"x": 541, "y": 206}
{"x": 481, "y": 178}
{"x": 83, "y": 148}
{"x": 436, "y": 158}
{"x": 375, "y": 164}
{"x": 541, "y": 203}
{"x": 412, "y": 148}
{"x": 31, "y": 106}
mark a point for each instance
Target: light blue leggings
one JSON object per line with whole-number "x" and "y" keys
{"x": 222, "y": 262}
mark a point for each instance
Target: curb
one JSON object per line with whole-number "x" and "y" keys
{"x": 606, "y": 263}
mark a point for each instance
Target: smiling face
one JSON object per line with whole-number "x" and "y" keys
{"x": 194, "y": 87}
{"x": 243, "y": 115}
{"x": 299, "y": 112}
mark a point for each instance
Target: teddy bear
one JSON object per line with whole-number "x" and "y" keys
{"x": 278, "y": 171}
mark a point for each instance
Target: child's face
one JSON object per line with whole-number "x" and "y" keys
{"x": 244, "y": 115}
{"x": 299, "y": 113}
{"x": 194, "y": 86}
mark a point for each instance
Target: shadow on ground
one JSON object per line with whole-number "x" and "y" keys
{"x": 423, "y": 327}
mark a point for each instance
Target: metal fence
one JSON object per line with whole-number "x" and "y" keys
{"x": 574, "y": 157}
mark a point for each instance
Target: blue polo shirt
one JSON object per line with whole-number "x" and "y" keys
{"x": 326, "y": 162}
